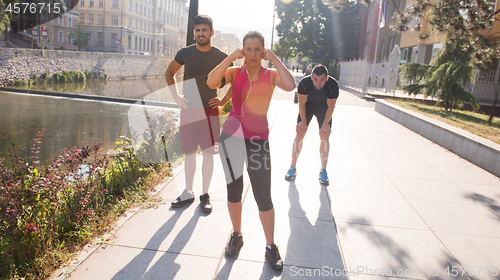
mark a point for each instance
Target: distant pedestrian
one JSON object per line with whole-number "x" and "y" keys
{"x": 318, "y": 94}
{"x": 308, "y": 70}
{"x": 293, "y": 68}
{"x": 200, "y": 125}
{"x": 246, "y": 131}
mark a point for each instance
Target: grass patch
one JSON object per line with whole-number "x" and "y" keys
{"x": 472, "y": 122}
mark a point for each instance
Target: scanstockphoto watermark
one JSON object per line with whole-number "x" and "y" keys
{"x": 447, "y": 271}
{"x": 327, "y": 271}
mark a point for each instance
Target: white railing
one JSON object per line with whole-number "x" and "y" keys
{"x": 383, "y": 78}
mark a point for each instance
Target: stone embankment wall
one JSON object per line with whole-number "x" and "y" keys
{"x": 22, "y": 64}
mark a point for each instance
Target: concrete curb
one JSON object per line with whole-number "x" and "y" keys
{"x": 482, "y": 152}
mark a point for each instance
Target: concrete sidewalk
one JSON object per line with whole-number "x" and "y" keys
{"x": 397, "y": 205}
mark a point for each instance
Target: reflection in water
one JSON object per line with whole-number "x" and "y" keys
{"x": 133, "y": 89}
{"x": 67, "y": 123}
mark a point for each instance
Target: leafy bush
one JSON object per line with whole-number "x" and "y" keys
{"x": 45, "y": 213}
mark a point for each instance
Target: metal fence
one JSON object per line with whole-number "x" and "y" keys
{"x": 383, "y": 78}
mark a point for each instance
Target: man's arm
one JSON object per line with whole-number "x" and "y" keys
{"x": 302, "y": 125}
{"x": 325, "y": 128}
{"x": 172, "y": 69}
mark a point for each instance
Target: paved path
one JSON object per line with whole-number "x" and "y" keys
{"x": 397, "y": 203}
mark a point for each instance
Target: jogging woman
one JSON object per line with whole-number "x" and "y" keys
{"x": 245, "y": 133}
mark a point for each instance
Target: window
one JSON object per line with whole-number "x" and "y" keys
{"x": 140, "y": 26}
{"x": 149, "y": 13}
{"x": 70, "y": 22}
{"x": 130, "y": 6}
{"x": 136, "y": 8}
{"x": 114, "y": 20}
{"x": 144, "y": 10}
{"x": 115, "y": 4}
{"x": 493, "y": 5}
{"x": 82, "y": 3}
{"x": 370, "y": 19}
{"x": 100, "y": 39}
{"x": 91, "y": 19}
{"x": 136, "y": 24}
{"x": 82, "y": 19}
{"x": 91, "y": 3}
{"x": 69, "y": 38}
{"x": 130, "y": 22}
{"x": 60, "y": 37}
{"x": 101, "y": 4}
{"x": 60, "y": 20}
{"x": 140, "y": 10}
{"x": 44, "y": 15}
{"x": 129, "y": 41}
{"x": 99, "y": 20}
{"x": 135, "y": 43}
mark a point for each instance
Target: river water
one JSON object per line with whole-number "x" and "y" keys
{"x": 69, "y": 122}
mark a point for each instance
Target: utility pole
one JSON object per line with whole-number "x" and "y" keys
{"x": 121, "y": 29}
{"x": 39, "y": 27}
{"x": 272, "y": 32}
{"x": 193, "y": 12}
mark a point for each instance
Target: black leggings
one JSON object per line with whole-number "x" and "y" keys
{"x": 234, "y": 151}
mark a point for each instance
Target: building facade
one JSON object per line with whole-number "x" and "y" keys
{"x": 150, "y": 27}
{"x": 226, "y": 42}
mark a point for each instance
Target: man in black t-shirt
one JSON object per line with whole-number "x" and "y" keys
{"x": 199, "y": 123}
{"x": 318, "y": 94}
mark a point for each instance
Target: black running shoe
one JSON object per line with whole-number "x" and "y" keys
{"x": 235, "y": 244}
{"x": 205, "y": 203}
{"x": 273, "y": 255}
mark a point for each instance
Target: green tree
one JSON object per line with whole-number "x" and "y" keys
{"x": 445, "y": 76}
{"x": 5, "y": 16}
{"x": 78, "y": 37}
{"x": 310, "y": 29}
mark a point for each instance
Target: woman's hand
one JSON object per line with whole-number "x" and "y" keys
{"x": 268, "y": 54}
{"x": 237, "y": 54}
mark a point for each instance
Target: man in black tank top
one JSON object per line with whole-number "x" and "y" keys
{"x": 318, "y": 94}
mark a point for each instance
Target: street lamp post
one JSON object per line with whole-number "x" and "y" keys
{"x": 193, "y": 12}
{"x": 272, "y": 31}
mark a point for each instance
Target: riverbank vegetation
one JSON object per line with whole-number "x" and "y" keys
{"x": 48, "y": 213}
{"x": 63, "y": 77}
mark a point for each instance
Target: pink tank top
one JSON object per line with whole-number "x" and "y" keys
{"x": 248, "y": 116}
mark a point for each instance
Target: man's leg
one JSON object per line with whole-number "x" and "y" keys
{"x": 189, "y": 147}
{"x": 297, "y": 146}
{"x": 189, "y": 170}
{"x": 207, "y": 170}
{"x": 324, "y": 146}
{"x": 324, "y": 149}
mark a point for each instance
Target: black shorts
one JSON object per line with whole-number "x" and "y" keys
{"x": 318, "y": 111}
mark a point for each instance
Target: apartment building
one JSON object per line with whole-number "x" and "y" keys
{"x": 52, "y": 33}
{"x": 418, "y": 50}
{"x": 150, "y": 27}
{"x": 226, "y": 42}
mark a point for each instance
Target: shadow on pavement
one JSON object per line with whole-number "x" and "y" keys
{"x": 165, "y": 267}
{"x": 312, "y": 249}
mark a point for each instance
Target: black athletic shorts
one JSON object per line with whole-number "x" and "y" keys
{"x": 318, "y": 111}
